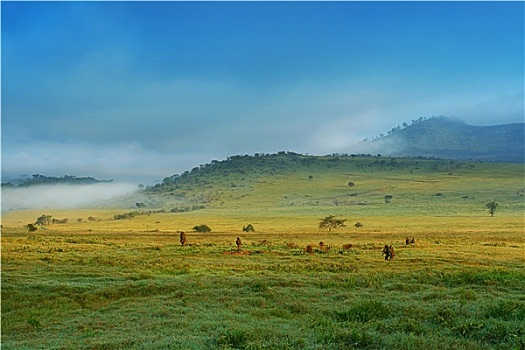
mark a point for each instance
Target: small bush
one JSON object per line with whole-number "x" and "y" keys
{"x": 125, "y": 215}
{"x": 202, "y": 228}
{"x": 248, "y": 228}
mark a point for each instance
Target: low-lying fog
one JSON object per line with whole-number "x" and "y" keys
{"x": 62, "y": 196}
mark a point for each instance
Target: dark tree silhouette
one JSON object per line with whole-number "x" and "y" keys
{"x": 330, "y": 222}
{"x": 491, "y": 206}
{"x": 248, "y": 228}
{"x": 202, "y": 228}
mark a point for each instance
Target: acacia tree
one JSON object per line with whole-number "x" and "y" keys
{"x": 202, "y": 228}
{"x": 248, "y": 228}
{"x": 491, "y": 206}
{"x": 43, "y": 220}
{"x": 330, "y": 222}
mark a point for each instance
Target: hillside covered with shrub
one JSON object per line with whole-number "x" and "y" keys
{"x": 450, "y": 138}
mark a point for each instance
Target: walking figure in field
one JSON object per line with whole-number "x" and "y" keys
{"x": 392, "y": 253}
{"x": 239, "y": 243}
{"x": 183, "y": 239}
{"x": 388, "y": 252}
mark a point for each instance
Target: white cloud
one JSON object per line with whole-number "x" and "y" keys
{"x": 122, "y": 162}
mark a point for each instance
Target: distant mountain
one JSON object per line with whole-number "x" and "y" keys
{"x": 449, "y": 138}
{"x": 38, "y": 179}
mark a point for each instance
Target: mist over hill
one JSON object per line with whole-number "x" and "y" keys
{"x": 43, "y": 192}
{"x": 449, "y": 138}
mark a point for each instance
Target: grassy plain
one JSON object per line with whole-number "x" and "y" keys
{"x": 128, "y": 284}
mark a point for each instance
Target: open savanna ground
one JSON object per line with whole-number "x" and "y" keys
{"x": 108, "y": 283}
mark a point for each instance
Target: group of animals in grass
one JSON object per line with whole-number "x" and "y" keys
{"x": 388, "y": 250}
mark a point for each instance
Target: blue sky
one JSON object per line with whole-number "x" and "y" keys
{"x": 137, "y": 91}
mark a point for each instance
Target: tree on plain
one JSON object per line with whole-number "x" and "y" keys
{"x": 202, "y": 228}
{"x": 248, "y": 228}
{"x": 330, "y": 222}
{"x": 491, "y": 206}
{"x": 43, "y": 220}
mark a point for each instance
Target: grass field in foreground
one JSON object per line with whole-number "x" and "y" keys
{"x": 102, "y": 283}
{"x": 128, "y": 284}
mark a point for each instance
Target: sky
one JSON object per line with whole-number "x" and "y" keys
{"x": 138, "y": 91}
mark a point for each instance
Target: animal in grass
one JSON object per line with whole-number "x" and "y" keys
{"x": 347, "y": 246}
{"x": 410, "y": 241}
{"x": 310, "y": 249}
{"x": 239, "y": 243}
{"x": 388, "y": 252}
{"x": 392, "y": 253}
{"x": 324, "y": 247}
{"x": 183, "y": 240}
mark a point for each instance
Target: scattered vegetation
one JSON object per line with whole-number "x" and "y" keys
{"x": 88, "y": 284}
{"x": 330, "y": 222}
{"x": 491, "y": 206}
{"x": 44, "y": 220}
{"x": 248, "y": 228}
{"x": 201, "y": 228}
{"x": 125, "y": 215}
{"x": 39, "y": 179}
{"x": 453, "y": 139}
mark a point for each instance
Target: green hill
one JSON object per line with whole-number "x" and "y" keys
{"x": 452, "y": 139}
{"x": 299, "y": 184}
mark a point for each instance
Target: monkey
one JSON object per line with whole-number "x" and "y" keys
{"x": 183, "y": 239}
{"x": 239, "y": 243}
{"x": 347, "y": 246}
{"x": 386, "y": 252}
{"x": 310, "y": 249}
{"x": 392, "y": 253}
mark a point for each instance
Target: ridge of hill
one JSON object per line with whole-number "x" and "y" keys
{"x": 450, "y": 138}
{"x": 39, "y": 179}
{"x": 289, "y": 181}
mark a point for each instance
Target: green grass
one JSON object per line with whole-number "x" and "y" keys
{"x": 128, "y": 284}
